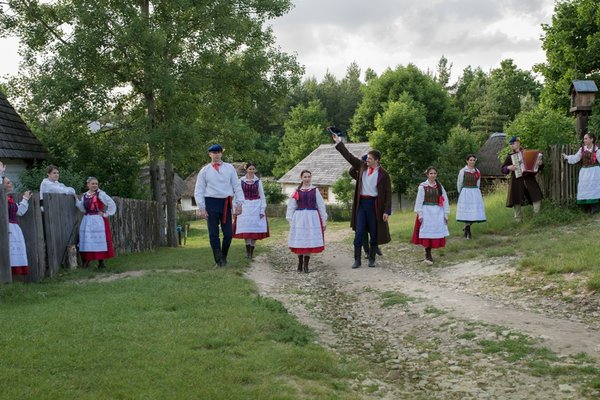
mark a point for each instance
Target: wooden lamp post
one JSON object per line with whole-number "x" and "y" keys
{"x": 583, "y": 94}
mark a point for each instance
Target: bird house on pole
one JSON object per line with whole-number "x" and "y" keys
{"x": 583, "y": 94}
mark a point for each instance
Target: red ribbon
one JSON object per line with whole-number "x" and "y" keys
{"x": 441, "y": 201}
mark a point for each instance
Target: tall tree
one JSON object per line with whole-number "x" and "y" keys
{"x": 443, "y": 73}
{"x": 304, "y": 132}
{"x": 405, "y": 140}
{"x": 390, "y": 86}
{"x": 178, "y": 68}
{"x": 572, "y": 45}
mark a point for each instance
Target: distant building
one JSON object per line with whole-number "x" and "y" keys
{"x": 488, "y": 162}
{"x": 19, "y": 148}
{"x": 326, "y": 165}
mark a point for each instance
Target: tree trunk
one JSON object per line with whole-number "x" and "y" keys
{"x": 171, "y": 205}
{"x": 156, "y": 185}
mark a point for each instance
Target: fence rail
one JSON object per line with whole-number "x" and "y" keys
{"x": 135, "y": 228}
{"x": 559, "y": 179}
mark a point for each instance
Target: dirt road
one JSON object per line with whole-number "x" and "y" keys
{"x": 445, "y": 333}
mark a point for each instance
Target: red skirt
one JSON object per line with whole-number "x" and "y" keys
{"x": 20, "y": 270}
{"x": 101, "y": 255}
{"x": 433, "y": 243}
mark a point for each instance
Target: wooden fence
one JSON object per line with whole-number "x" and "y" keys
{"x": 48, "y": 234}
{"x": 559, "y": 179}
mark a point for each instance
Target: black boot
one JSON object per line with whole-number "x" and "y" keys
{"x": 101, "y": 264}
{"x": 372, "y": 255}
{"x": 300, "y": 262}
{"x": 468, "y": 231}
{"x": 378, "y": 251}
{"x": 248, "y": 251}
{"x": 305, "y": 264}
{"x": 366, "y": 245}
{"x": 217, "y": 256}
{"x": 251, "y": 251}
{"x": 357, "y": 262}
{"x": 224, "y": 255}
{"x": 465, "y": 235}
{"x": 428, "y": 257}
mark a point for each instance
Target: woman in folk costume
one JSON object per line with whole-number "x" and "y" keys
{"x": 17, "y": 251}
{"x": 470, "y": 208}
{"x": 95, "y": 239}
{"x": 432, "y": 208}
{"x": 588, "y": 187}
{"x": 252, "y": 224}
{"x": 308, "y": 218}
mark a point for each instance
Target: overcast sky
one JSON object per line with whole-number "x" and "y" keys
{"x": 328, "y": 35}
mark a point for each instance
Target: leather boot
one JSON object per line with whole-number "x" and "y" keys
{"x": 305, "y": 264}
{"x": 357, "y": 262}
{"x": 378, "y": 251}
{"x": 251, "y": 251}
{"x": 224, "y": 256}
{"x": 465, "y": 234}
{"x": 468, "y": 231}
{"x": 248, "y": 251}
{"x": 366, "y": 246}
{"x": 101, "y": 264}
{"x": 428, "y": 256}
{"x": 300, "y": 262}
{"x": 372, "y": 255}
{"x": 217, "y": 256}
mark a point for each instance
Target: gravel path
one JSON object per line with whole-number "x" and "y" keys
{"x": 460, "y": 332}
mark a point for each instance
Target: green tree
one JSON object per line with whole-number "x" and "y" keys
{"x": 390, "y": 87}
{"x": 304, "y": 132}
{"x": 469, "y": 95}
{"x": 405, "y": 140}
{"x": 443, "y": 73}
{"x": 461, "y": 142}
{"x": 175, "y": 68}
{"x": 343, "y": 189}
{"x": 542, "y": 127}
{"x": 572, "y": 45}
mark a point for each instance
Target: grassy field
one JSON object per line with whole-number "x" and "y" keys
{"x": 555, "y": 242}
{"x": 184, "y": 330}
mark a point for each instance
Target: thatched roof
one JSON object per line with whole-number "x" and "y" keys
{"x": 16, "y": 139}
{"x": 325, "y": 163}
{"x": 487, "y": 157}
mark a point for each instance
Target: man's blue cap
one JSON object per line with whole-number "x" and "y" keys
{"x": 514, "y": 139}
{"x": 215, "y": 148}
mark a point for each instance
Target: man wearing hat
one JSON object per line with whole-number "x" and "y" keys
{"x": 218, "y": 190}
{"x": 372, "y": 203}
{"x": 522, "y": 190}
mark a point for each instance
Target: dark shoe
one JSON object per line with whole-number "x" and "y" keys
{"x": 378, "y": 251}
{"x": 357, "y": 262}
{"x": 428, "y": 256}
{"x": 305, "y": 264}
{"x": 251, "y": 252}
{"x": 465, "y": 235}
{"x": 247, "y": 251}
{"x": 101, "y": 264}
{"x": 468, "y": 231}
{"x": 300, "y": 263}
{"x": 372, "y": 255}
{"x": 218, "y": 257}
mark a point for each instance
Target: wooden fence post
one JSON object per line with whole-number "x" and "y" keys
{"x": 61, "y": 225}
{"x": 5, "y": 273}
{"x": 33, "y": 231}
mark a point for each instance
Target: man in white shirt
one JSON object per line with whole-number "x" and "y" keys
{"x": 218, "y": 190}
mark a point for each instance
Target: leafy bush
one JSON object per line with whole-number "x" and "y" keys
{"x": 33, "y": 177}
{"x": 273, "y": 192}
{"x": 343, "y": 189}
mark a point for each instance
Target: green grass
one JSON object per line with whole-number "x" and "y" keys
{"x": 554, "y": 242}
{"x": 200, "y": 333}
{"x": 391, "y": 298}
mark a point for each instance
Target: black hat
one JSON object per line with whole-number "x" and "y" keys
{"x": 215, "y": 148}
{"x": 333, "y": 130}
{"x": 514, "y": 139}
